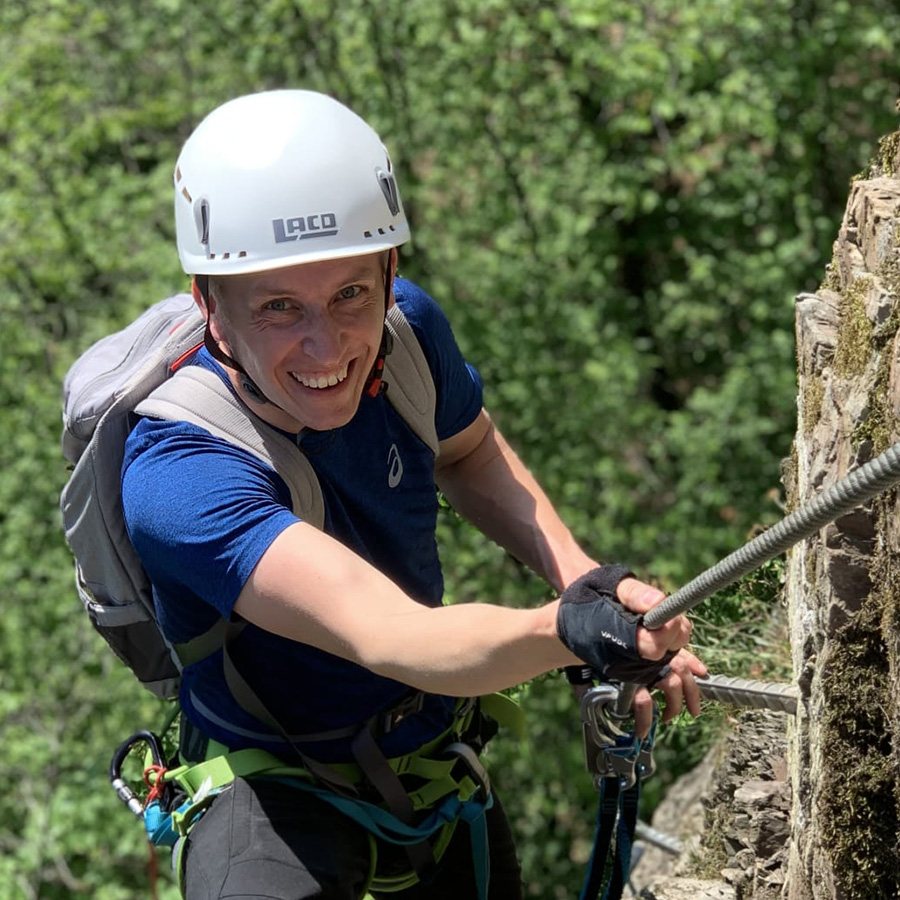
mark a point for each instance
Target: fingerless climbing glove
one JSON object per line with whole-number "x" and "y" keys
{"x": 597, "y": 628}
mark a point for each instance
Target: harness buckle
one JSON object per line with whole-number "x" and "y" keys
{"x": 479, "y": 773}
{"x": 409, "y": 706}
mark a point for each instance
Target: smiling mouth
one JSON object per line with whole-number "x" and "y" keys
{"x": 320, "y": 382}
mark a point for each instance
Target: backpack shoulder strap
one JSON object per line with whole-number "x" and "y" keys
{"x": 410, "y": 386}
{"x": 199, "y": 396}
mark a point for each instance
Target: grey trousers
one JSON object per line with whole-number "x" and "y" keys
{"x": 263, "y": 839}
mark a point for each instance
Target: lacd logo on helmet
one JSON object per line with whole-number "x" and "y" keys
{"x": 300, "y": 227}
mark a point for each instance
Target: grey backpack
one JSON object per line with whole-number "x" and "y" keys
{"x": 136, "y": 372}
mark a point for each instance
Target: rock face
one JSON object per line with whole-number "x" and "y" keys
{"x": 817, "y": 816}
{"x": 842, "y": 585}
{"x": 733, "y": 817}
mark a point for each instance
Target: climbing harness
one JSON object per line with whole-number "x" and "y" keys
{"x": 199, "y": 784}
{"x": 452, "y": 786}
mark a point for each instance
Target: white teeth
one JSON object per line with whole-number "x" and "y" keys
{"x": 321, "y": 381}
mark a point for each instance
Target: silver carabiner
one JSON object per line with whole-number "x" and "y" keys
{"x": 604, "y": 739}
{"x": 597, "y": 706}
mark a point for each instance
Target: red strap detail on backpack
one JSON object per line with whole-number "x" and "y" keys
{"x": 175, "y": 366}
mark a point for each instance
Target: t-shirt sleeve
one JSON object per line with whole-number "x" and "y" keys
{"x": 458, "y": 384}
{"x": 199, "y": 511}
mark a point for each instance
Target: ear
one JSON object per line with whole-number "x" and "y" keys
{"x": 392, "y": 269}
{"x": 208, "y": 305}
{"x": 204, "y": 304}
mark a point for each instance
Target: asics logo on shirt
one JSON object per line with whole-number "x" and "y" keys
{"x": 395, "y": 467}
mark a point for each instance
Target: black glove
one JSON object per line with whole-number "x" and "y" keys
{"x": 597, "y": 628}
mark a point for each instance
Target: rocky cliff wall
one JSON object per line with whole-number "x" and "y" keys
{"x": 843, "y": 586}
{"x": 841, "y": 778}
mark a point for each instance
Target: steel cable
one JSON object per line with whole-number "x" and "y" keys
{"x": 751, "y": 694}
{"x": 869, "y": 480}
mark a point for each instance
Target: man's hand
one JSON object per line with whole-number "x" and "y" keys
{"x": 677, "y": 684}
{"x": 599, "y": 620}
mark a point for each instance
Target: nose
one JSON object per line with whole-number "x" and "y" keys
{"x": 322, "y": 338}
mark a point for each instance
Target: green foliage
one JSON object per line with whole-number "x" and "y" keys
{"x": 615, "y": 203}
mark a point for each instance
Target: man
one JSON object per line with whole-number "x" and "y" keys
{"x": 288, "y": 219}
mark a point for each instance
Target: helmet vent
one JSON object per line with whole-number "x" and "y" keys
{"x": 201, "y": 220}
{"x": 389, "y": 189}
{"x": 184, "y": 191}
{"x": 368, "y": 234}
{"x": 240, "y": 255}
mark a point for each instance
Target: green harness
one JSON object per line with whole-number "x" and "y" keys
{"x": 443, "y": 782}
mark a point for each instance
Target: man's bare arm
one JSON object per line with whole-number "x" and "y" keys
{"x": 485, "y": 481}
{"x": 310, "y": 588}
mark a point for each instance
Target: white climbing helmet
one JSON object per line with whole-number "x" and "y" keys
{"x": 280, "y": 178}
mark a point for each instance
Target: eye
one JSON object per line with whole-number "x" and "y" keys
{"x": 349, "y": 292}
{"x": 277, "y": 305}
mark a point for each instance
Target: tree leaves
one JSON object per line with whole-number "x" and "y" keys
{"x": 615, "y": 203}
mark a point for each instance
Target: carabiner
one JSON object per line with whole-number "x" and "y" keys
{"x": 597, "y": 704}
{"x": 124, "y": 792}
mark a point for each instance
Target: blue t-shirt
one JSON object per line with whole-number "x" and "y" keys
{"x": 201, "y": 513}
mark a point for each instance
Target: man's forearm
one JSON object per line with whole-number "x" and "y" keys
{"x": 486, "y": 648}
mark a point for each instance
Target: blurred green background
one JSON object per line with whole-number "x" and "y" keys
{"x": 615, "y": 202}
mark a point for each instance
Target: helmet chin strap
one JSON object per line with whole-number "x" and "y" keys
{"x": 375, "y": 384}
{"x": 249, "y": 386}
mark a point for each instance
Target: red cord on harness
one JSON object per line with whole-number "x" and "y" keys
{"x": 157, "y": 786}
